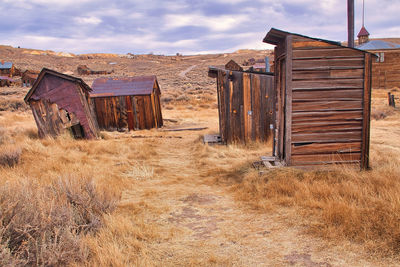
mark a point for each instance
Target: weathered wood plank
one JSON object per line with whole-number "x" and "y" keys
{"x": 327, "y": 137}
{"x": 329, "y": 83}
{"x": 247, "y": 108}
{"x": 326, "y": 158}
{"x": 366, "y": 112}
{"x": 325, "y": 148}
{"x": 326, "y": 105}
{"x": 328, "y": 95}
{"x": 314, "y": 63}
{"x": 288, "y": 93}
{"x": 326, "y": 53}
{"x": 327, "y": 116}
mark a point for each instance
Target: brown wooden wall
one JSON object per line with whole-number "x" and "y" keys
{"x": 327, "y": 103}
{"x": 386, "y": 74}
{"x": 245, "y": 103}
{"x": 128, "y": 112}
{"x": 53, "y": 98}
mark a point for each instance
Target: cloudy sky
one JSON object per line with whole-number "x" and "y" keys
{"x": 184, "y": 26}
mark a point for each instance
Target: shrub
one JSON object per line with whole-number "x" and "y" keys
{"x": 9, "y": 155}
{"x": 44, "y": 225}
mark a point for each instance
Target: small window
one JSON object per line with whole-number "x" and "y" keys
{"x": 380, "y": 57}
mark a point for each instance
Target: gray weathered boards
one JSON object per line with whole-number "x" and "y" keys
{"x": 127, "y": 103}
{"x": 323, "y": 99}
{"x": 245, "y": 105}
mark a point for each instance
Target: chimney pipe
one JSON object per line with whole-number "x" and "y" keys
{"x": 350, "y": 23}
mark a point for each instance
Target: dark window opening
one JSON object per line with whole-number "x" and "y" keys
{"x": 68, "y": 116}
{"x": 77, "y": 131}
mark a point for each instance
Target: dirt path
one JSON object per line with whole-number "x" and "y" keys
{"x": 200, "y": 223}
{"x": 183, "y": 73}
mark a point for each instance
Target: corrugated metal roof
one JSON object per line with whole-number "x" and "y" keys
{"x": 377, "y": 45}
{"x": 5, "y": 65}
{"x": 140, "y": 85}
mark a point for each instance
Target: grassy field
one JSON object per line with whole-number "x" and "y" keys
{"x": 158, "y": 198}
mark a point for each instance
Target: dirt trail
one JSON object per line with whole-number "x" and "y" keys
{"x": 183, "y": 73}
{"x": 202, "y": 224}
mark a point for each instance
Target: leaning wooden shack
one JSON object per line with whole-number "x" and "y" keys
{"x": 128, "y": 103}
{"x": 323, "y": 100}
{"x": 59, "y": 103}
{"x": 245, "y": 104}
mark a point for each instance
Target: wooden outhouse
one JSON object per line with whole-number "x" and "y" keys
{"x": 59, "y": 103}
{"x": 323, "y": 101}
{"x": 127, "y": 103}
{"x": 245, "y": 105}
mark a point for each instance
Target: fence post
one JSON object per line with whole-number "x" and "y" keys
{"x": 393, "y": 103}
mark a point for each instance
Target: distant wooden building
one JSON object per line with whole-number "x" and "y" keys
{"x": 386, "y": 67}
{"x": 323, "y": 101}
{"x": 7, "y": 69}
{"x": 59, "y": 103}
{"x": 128, "y": 103}
{"x": 6, "y": 81}
{"x": 84, "y": 70}
{"x": 245, "y": 105}
{"x": 29, "y": 77}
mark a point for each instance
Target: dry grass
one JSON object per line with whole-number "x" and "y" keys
{"x": 44, "y": 225}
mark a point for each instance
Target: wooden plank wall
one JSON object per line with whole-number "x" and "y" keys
{"x": 57, "y": 92}
{"x": 386, "y": 74}
{"x": 245, "y": 102}
{"x": 328, "y": 118}
{"x": 128, "y": 112}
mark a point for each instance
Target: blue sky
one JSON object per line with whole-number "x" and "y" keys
{"x": 184, "y": 26}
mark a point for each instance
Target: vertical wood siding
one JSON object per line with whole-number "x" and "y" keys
{"x": 128, "y": 112}
{"x": 245, "y": 105}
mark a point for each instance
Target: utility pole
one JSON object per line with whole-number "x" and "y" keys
{"x": 350, "y": 23}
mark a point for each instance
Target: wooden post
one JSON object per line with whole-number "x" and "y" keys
{"x": 288, "y": 101}
{"x": 389, "y": 99}
{"x": 393, "y": 103}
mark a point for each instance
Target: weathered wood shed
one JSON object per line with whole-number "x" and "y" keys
{"x": 59, "y": 103}
{"x": 323, "y": 100}
{"x": 128, "y": 103}
{"x": 245, "y": 105}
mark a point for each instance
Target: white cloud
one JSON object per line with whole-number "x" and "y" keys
{"x": 88, "y": 20}
{"x": 215, "y": 23}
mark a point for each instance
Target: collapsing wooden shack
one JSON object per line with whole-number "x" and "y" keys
{"x": 59, "y": 103}
{"x": 129, "y": 103}
{"x": 323, "y": 99}
{"x": 245, "y": 104}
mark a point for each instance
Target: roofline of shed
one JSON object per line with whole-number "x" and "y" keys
{"x": 214, "y": 69}
{"x": 268, "y": 39}
{"x": 58, "y": 74}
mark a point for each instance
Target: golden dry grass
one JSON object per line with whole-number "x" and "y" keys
{"x": 183, "y": 203}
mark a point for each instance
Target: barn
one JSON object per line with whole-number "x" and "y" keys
{"x": 59, "y": 103}
{"x": 245, "y": 104}
{"x": 323, "y": 101}
{"x": 127, "y": 103}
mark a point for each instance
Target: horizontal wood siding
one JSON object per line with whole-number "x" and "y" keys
{"x": 327, "y": 103}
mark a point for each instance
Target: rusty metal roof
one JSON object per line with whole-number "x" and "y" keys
{"x": 7, "y": 78}
{"x": 363, "y": 32}
{"x": 122, "y": 86}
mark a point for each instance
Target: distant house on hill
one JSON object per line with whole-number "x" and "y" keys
{"x": 127, "y": 103}
{"x": 85, "y": 70}
{"x": 7, "y": 69}
{"x": 386, "y": 68}
{"x": 29, "y": 77}
{"x": 59, "y": 103}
